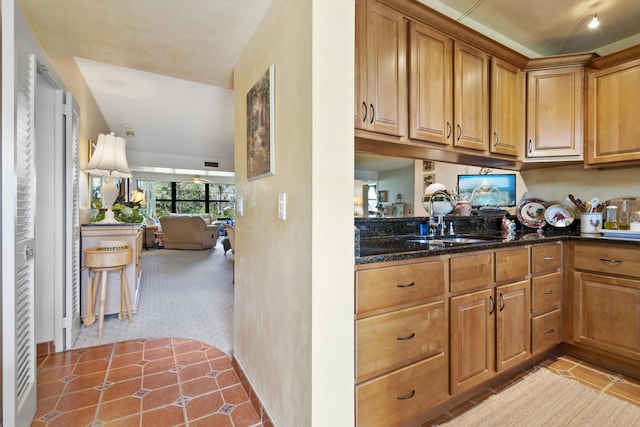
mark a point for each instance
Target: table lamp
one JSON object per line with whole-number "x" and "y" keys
{"x": 109, "y": 159}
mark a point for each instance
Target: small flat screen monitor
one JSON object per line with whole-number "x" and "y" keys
{"x": 498, "y": 190}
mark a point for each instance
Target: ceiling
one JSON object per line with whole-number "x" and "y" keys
{"x": 166, "y": 72}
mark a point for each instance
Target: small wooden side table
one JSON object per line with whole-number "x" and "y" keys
{"x": 101, "y": 262}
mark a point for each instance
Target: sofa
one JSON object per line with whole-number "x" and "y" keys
{"x": 189, "y": 232}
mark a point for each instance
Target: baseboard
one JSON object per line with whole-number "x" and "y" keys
{"x": 253, "y": 397}
{"x": 45, "y": 348}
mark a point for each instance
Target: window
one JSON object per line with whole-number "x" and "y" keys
{"x": 190, "y": 197}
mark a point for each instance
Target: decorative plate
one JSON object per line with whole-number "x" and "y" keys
{"x": 531, "y": 211}
{"x": 559, "y": 215}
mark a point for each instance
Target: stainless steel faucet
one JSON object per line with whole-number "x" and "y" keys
{"x": 439, "y": 226}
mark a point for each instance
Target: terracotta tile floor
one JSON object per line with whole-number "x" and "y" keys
{"x": 599, "y": 379}
{"x": 145, "y": 382}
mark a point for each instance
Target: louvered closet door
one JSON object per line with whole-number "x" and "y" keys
{"x": 23, "y": 350}
{"x": 71, "y": 319}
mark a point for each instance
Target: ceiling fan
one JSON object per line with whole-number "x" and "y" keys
{"x": 199, "y": 180}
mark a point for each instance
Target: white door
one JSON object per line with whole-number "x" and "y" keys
{"x": 71, "y": 320}
{"x": 18, "y": 196}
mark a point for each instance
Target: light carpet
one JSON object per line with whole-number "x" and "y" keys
{"x": 545, "y": 399}
{"x": 183, "y": 294}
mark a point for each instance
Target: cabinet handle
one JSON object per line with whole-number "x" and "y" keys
{"x": 615, "y": 261}
{"x": 504, "y": 302}
{"x": 407, "y": 396}
{"x": 548, "y": 258}
{"x": 548, "y": 293}
{"x": 448, "y": 130}
{"x": 493, "y": 304}
{"x": 407, "y": 338}
{"x": 495, "y": 144}
{"x": 364, "y": 119}
{"x": 459, "y": 132}
{"x": 548, "y": 331}
{"x": 373, "y": 113}
{"x": 530, "y": 146}
{"x": 407, "y": 285}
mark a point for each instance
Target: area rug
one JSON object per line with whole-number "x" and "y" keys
{"x": 546, "y": 399}
{"x": 184, "y": 294}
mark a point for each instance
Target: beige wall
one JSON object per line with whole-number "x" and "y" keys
{"x": 554, "y": 184}
{"x": 294, "y": 278}
{"x": 91, "y": 121}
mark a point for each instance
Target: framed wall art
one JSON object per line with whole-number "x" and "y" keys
{"x": 261, "y": 127}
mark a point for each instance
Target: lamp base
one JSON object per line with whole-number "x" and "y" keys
{"x": 109, "y": 218}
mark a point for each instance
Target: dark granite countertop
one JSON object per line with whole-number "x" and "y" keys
{"x": 376, "y": 243}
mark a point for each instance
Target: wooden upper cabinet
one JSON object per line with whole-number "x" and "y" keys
{"x": 471, "y": 102}
{"x": 554, "y": 113}
{"x": 430, "y": 85}
{"x": 381, "y": 92}
{"x": 613, "y": 133}
{"x": 507, "y": 108}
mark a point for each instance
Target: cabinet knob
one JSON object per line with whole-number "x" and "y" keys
{"x": 548, "y": 331}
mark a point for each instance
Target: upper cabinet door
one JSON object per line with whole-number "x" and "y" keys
{"x": 507, "y": 108}
{"x": 471, "y": 102}
{"x": 383, "y": 98}
{"x": 613, "y": 134}
{"x": 554, "y": 113}
{"x": 430, "y": 85}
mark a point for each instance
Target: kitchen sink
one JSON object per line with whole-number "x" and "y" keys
{"x": 450, "y": 240}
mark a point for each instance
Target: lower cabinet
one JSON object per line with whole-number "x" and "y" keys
{"x": 402, "y": 395}
{"x": 607, "y": 313}
{"x": 429, "y": 330}
{"x": 472, "y": 339}
{"x": 513, "y": 332}
{"x": 606, "y": 299}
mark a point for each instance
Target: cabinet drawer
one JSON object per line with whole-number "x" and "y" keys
{"x": 391, "y": 286}
{"x": 546, "y": 258}
{"x": 607, "y": 259}
{"x": 471, "y": 271}
{"x": 401, "y": 396}
{"x": 546, "y": 292}
{"x": 390, "y": 340}
{"x": 546, "y": 331}
{"x": 512, "y": 264}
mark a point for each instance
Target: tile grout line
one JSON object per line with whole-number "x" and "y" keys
{"x": 179, "y": 379}
{"x": 104, "y": 383}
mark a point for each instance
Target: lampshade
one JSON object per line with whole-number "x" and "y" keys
{"x": 109, "y": 157}
{"x": 137, "y": 196}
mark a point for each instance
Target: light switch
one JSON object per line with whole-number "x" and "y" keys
{"x": 240, "y": 206}
{"x": 282, "y": 206}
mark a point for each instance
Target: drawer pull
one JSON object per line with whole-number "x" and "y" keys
{"x": 615, "y": 261}
{"x": 548, "y": 331}
{"x": 548, "y": 293}
{"x": 407, "y": 338}
{"x": 549, "y": 258}
{"x": 408, "y": 285}
{"x": 408, "y": 396}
